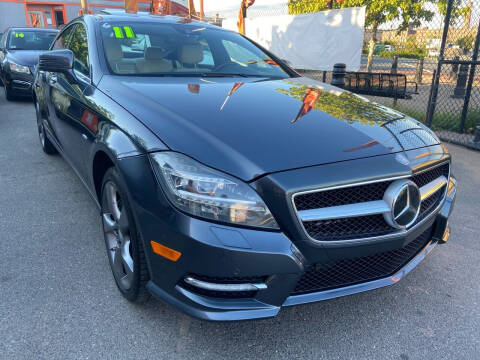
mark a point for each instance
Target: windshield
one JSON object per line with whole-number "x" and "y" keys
{"x": 30, "y": 40}
{"x": 183, "y": 49}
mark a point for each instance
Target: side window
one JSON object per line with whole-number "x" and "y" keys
{"x": 79, "y": 46}
{"x": 3, "y": 45}
{"x": 207, "y": 54}
{"x": 241, "y": 55}
{"x": 3, "y": 40}
{"x": 62, "y": 39}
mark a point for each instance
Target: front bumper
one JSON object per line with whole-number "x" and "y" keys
{"x": 19, "y": 84}
{"x": 211, "y": 250}
{"x": 286, "y": 267}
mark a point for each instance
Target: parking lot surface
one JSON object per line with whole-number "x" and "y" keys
{"x": 58, "y": 299}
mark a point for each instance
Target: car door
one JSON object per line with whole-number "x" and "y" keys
{"x": 49, "y": 86}
{"x": 75, "y": 117}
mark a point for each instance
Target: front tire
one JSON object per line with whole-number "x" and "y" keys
{"x": 124, "y": 248}
{"x": 46, "y": 144}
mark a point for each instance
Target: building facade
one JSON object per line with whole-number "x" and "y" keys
{"x": 54, "y": 13}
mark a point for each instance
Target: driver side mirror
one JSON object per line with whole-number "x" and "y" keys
{"x": 56, "y": 61}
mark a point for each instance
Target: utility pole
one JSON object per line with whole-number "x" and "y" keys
{"x": 202, "y": 14}
{"x": 84, "y": 8}
{"x": 191, "y": 8}
{"x": 154, "y": 7}
{"x": 245, "y": 4}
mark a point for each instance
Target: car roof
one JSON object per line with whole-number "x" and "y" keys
{"x": 32, "y": 29}
{"x": 121, "y": 15}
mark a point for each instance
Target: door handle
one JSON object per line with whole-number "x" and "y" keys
{"x": 52, "y": 79}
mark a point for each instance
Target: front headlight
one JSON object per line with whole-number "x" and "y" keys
{"x": 207, "y": 193}
{"x": 19, "y": 68}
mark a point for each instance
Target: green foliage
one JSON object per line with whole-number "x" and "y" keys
{"x": 466, "y": 43}
{"x": 306, "y": 6}
{"x": 457, "y": 10}
{"x": 411, "y": 50}
{"x": 344, "y": 106}
{"x": 388, "y": 42}
{"x": 404, "y": 54}
{"x": 409, "y": 12}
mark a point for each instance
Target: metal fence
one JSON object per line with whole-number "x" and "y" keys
{"x": 439, "y": 55}
{"x": 454, "y": 107}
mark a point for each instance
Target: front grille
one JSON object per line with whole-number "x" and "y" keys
{"x": 428, "y": 176}
{"x": 343, "y": 196}
{"x": 223, "y": 280}
{"x": 348, "y": 228}
{"x": 429, "y": 204}
{"x": 362, "y": 226}
{"x": 346, "y": 272}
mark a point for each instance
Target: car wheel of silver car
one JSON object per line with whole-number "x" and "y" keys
{"x": 46, "y": 144}
{"x": 124, "y": 248}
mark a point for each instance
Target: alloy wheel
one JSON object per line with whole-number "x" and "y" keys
{"x": 116, "y": 228}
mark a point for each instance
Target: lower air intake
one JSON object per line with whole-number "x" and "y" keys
{"x": 346, "y": 272}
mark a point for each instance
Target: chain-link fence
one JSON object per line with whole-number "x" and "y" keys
{"x": 417, "y": 52}
{"x": 455, "y": 103}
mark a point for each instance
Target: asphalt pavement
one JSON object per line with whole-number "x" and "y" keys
{"x": 58, "y": 299}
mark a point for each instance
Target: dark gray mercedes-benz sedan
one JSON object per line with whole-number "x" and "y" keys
{"x": 228, "y": 185}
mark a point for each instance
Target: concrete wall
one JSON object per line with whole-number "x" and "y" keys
{"x": 72, "y": 12}
{"x": 12, "y": 14}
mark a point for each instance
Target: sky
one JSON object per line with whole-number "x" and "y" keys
{"x": 212, "y": 6}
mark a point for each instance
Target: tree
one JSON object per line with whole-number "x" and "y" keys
{"x": 466, "y": 43}
{"x": 411, "y": 13}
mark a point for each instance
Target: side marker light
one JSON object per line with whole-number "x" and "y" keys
{"x": 164, "y": 251}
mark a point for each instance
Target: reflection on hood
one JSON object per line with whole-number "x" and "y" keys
{"x": 308, "y": 103}
{"x": 359, "y": 113}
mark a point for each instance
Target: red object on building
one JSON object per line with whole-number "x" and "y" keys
{"x": 131, "y": 6}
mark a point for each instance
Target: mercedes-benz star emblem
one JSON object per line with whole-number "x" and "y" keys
{"x": 403, "y": 197}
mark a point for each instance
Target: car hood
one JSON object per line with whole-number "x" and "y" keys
{"x": 25, "y": 57}
{"x": 250, "y": 127}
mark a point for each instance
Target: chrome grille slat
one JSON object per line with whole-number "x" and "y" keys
{"x": 365, "y": 208}
{"x": 345, "y": 211}
{"x": 350, "y": 220}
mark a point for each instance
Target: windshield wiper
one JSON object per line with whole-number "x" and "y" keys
{"x": 236, "y": 75}
{"x": 223, "y": 75}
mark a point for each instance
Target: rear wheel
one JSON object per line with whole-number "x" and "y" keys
{"x": 46, "y": 144}
{"x": 124, "y": 247}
